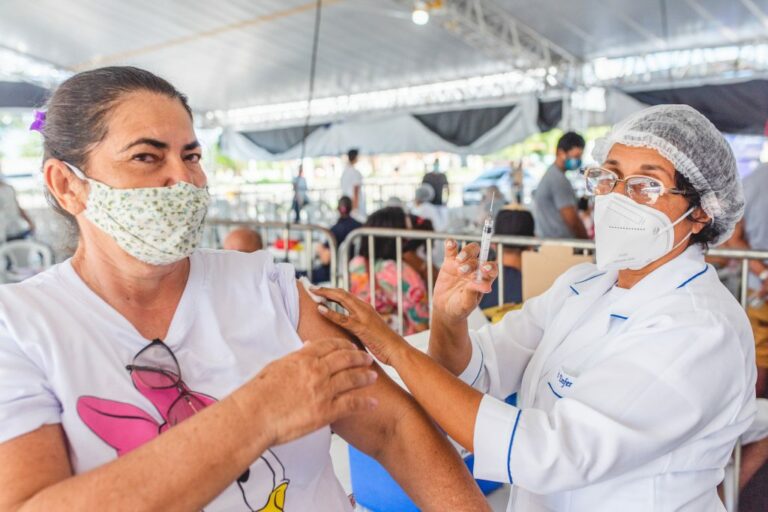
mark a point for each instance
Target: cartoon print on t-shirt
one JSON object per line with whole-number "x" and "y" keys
{"x": 125, "y": 427}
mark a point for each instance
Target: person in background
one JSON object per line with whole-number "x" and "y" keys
{"x": 343, "y": 227}
{"x": 243, "y": 240}
{"x": 492, "y": 202}
{"x": 423, "y": 207}
{"x": 13, "y": 219}
{"x": 585, "y": 214}
{"x": 439, "y": 183}
{"x": 554, "y": 206}
{"x": 299, "y": 194}
{"x": 352, "y": 184}
{"x": 752, "y": 233}
{"x": 517, "y": 173}
{"x": 346, "y": 224}
{"x": 513, "y": 222}
{"x": 415, "y": 251}
{"x": 415, "y": 308}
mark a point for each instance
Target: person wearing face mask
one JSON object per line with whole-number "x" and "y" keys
{"x": 147, "y": 374}
{"x": 635, "y": 376}
{"x": 554, "y": 201}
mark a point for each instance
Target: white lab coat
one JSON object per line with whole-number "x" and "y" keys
{"x": 630, "y": 405}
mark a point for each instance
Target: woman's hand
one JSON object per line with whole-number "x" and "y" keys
{"x": 313, "y": 387}
{"x": 457, "y": 291}
{"x": 364, "y": 322}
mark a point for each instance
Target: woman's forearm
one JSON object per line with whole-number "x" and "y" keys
{"x": 446, "y": 485}
{"x": 449, "y": 401}
{"x": 182, "y": 469}
{"x": 449, "y": 344}
{"x": 193, "y": 462}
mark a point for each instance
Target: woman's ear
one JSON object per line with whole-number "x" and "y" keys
{"x": 701, "y": 220}
{"x": 68, "y": 190}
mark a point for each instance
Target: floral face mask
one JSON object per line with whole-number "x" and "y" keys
{"x": 158, "y": 225}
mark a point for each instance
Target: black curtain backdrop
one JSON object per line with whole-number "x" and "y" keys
{"x": 22, "y": 95}
{"x": 733, "y": 108}
{"x": 463, "y": 127}
{"x": 550, "y": 114}
{"x": 279, "y": 140}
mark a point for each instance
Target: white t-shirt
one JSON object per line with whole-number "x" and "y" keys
{"x": 350, "y": 179}
{"x": 63, "y": 353}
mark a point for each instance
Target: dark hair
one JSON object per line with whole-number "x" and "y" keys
{"x": 710, "y": 233}
{"x": 583, "y": 204}
{"x": 78, "y": 113}
{"x": 514, "y": 222}
{"x": 345, "y": 205}
{"x": 384, "y": 248}
{"x": 417, "y": 224}
{"x": 352, "y": 154}
{"x": 569, "y": 141}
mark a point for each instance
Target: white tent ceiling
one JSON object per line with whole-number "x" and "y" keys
{"x": 615, "y": 28}
{"x": 236, "y": 53}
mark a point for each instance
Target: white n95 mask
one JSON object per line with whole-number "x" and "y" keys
{"x": 159, "y": 225}
{"x": 629, "y": 235}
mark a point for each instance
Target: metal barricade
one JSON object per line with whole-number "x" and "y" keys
{"x": 731, "y": 486}
{"x": 308, "y": 231}
{"x": 429, "y": 238}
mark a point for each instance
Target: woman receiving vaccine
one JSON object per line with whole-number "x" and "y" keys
{"x": 147, "y": 374}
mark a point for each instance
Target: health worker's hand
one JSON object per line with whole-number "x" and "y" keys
{"x": 364, "y": 322}
{"x": 457, "y": 291}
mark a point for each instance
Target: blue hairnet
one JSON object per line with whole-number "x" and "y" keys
{"x": 695, "y": 148}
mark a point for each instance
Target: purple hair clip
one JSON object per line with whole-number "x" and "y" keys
{"x": 39, "y": 123}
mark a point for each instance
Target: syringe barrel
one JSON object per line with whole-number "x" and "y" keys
{"x": 485, "y": 242}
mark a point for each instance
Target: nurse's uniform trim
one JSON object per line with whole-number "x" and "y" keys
{"x": 496, "y": 425}
{"x": 574, "y": 290}
{"x": 511, "y": 441}
{"x": 706, "y": 267}
{"x": 553, "y": 391}
{"x": 475, "y": 366}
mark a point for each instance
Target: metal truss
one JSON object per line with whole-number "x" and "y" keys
{"x": 488, "y": 27}
{"x": 675, "y": 66}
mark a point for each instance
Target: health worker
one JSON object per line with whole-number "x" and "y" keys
{"x": 634, "y": 376}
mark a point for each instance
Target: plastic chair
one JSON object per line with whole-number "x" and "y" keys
{"x": 20, "y": 259}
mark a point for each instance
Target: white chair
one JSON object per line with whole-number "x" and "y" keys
{"x": 20, "y": 259}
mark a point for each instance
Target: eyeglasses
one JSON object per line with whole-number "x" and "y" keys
{"x": 641, "y": 189}
{"x": 156, "y": 368}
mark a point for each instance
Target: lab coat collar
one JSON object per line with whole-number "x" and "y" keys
{"x": 594, "y": 280}
{"x": 678, "y": 273}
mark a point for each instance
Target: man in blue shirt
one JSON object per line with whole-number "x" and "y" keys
{"x": 554, "y": 202}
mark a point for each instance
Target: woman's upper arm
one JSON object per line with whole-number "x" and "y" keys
{"x": 30, "y": 463}
{"x": 370, "y": 431}
{"x": 311, "y": 324}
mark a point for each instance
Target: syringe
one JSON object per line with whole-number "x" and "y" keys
{"x": 485, "y": 241}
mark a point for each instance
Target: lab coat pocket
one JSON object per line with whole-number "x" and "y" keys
{"x": 561, "y": 381}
